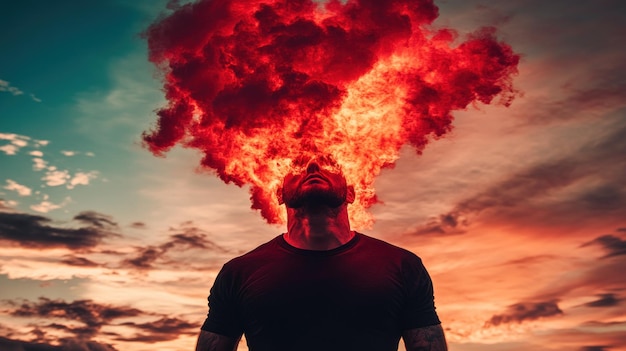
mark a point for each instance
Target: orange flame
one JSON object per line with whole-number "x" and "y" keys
{"x": 255, "y": 85}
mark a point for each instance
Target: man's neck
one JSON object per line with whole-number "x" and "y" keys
{"x": 318, "y": 229}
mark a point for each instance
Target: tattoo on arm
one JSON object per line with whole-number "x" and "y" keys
{"x": 208, "y": 341}
{"x": 429, "y": 338}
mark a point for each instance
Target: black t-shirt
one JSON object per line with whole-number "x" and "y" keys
{"x": 359, "y": 296}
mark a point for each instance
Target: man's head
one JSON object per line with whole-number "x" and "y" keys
{"x": 315, "y": 182}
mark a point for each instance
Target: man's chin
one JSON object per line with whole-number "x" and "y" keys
{"x": 317, "y": 200}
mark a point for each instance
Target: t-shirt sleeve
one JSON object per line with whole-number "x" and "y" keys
{"x": 420, "y": 302}
{"x": 223, "y": 317}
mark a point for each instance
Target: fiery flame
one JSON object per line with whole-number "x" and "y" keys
{"x": 256, "y": 84}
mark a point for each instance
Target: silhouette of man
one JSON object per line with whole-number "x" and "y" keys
{"x": 322, "y": 286}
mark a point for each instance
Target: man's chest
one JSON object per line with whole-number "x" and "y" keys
{"x": 322, "y": 290}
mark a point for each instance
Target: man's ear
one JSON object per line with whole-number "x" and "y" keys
{"x": 279, "y": 195}
{"x": 350, "y": 196}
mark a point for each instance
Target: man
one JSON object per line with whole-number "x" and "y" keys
{"x": 322, "y": 286}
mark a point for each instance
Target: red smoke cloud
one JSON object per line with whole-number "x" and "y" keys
{"x": 255, "y": 84}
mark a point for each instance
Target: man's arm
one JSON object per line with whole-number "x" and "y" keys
{"x": 208, "y": 341}
{"x": 429, "y": 338}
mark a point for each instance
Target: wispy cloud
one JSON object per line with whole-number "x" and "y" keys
{"x": 15, "y": 91}
{"x": 552, "y": 191}
{"x": 6, "y": 86}
{"x": 79, "y": 261}
{"x": 604, "y": 300}
{"x": 164, "y": 329}
{"x": 614, "y": 245}
{"x": 525, "y": 311}
{"x": 95, "y": 219}
{"x": 187, "y": 237}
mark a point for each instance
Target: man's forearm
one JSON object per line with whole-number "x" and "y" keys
{"x": 429, "y": 338}
{"x": 208, "y": 341}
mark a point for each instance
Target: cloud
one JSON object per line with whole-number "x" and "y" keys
{"x": 39, "y": 164}
{"x": 66, "y": 345}
{"x": 46, "y": 206}
{"x": 145, "y": 258}
{"x": 138, "y": 225}
{"x": 68, "y": 153}
{"x": 7, "y": 205}
{"x": 92, "y": 316}
{"x": 16, "y": 143}
{"x": 28, "y": 230}
{"x": 81, "y": 178}
{"x": 605, "y": 300}
{"x": 79, "y": 261}
{"x": 22, "y": 190}
{"x": 525, "y": 311}
{"x": 35, "y": 99}
{"x": 9, "y": 149}
{"x": 163, "y": 329}
{"x": 15, "y": 91}
{"x": 186, "y": 237}
{"x": 55, "y": 177}
{"x": 596, "y": 348}
{"x": 613, "y": 245}
{"x": 6, "y": 86}
{"x": 95, "y": 219}
{"x": 85, "y": 311}
{"x": 551, "y": 192}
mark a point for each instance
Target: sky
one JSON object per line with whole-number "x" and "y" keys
{"x": 519, "y": 213}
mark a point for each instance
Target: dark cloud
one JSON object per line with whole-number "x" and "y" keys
{"x": 449, "y": 223}
{"x": 91, "y": 314}
{"x": 78, "y": 261}
{"x": 525, "y": 311}
{"x": 138, "y": 225}
{"x": 95, "y": 219}
{"x": 92, "y": 317}
{"x": 186, "y": 237}
{"x": 65, "y": 345}
{"x": 145, "y": 258}
{"x": 605, "y": 300}
{"x": 190, "y": 236}
{"x": 613, "y": 245}
{"x": 35, "y": 231}
{"x": 163, "y": 329}
{"x": 595, "y": 348}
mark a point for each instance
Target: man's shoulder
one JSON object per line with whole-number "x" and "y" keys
{"x": 382, "y": 244}
{"x": 386, "y": 248}
{"x": 265, "y": 251}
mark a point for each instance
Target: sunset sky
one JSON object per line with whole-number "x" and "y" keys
{"x": 519, "y": 213}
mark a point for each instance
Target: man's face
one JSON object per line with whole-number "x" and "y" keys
{"x": 317, "y": 181}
